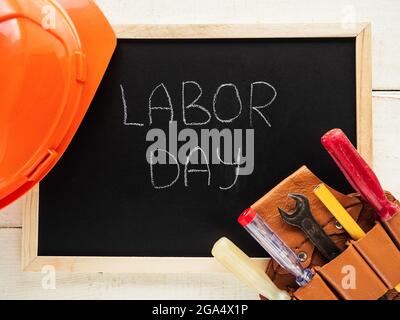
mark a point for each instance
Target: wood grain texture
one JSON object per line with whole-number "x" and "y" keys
{"x": 363, "y": 95}
{"x": 152, "y": 265}
{"x": 225, "y": 31}
{"x": 15, "y": 284}
{"x": 386, "y": 119}
{"x": 382, "y": 14}
{"x": 10, "y": 217}
{"x": 30, "y": 204}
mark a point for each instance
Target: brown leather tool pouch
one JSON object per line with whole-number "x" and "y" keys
{"x": 392, "y": 226}
{"x": 375, "y": 274}
{"x": 379, "y": 251}
{"x": 351, "y": 277}
{"x": 317, "y": 289}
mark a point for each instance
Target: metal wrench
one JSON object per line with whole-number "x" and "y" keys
{"x": 302, "y": 218}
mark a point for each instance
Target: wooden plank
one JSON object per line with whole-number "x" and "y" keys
{"x": 386, "y": 116}
{"x": 363, "y": 96}
{"x": 10, "y": 217}
{"x": 30, "y": 208}
{"x": 382, "y": 14}
{"x": 218, "y": 31}
{"x": 154, "y": 265}
{"x": 15, "y": 284}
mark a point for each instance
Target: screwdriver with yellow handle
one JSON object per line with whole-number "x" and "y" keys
{"x": 237, "y": 262}
{"x": 341, "y": 214}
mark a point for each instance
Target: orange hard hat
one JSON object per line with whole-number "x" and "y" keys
{"x": 53, "y": 55}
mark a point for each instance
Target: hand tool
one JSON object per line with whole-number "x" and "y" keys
{"x": 302, "y": 218}
{"x": 358, "y": 173}
{"x": 278, "y": 250}
{"x": 340, "y": 213}
{"x": 237, "y": 262}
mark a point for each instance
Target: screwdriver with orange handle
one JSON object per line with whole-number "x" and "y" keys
{"x": 358, "y": 173}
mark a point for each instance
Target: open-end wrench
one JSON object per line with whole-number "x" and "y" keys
{"x": 302, "y": 218}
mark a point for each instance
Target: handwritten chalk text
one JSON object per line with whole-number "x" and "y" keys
{"x": 188, "y": 152}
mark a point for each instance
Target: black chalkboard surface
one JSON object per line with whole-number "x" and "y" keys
{"x": 269, "y": 100}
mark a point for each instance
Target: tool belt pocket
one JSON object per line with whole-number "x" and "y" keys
{"x": 364, "y": 269}
{"x": 381, "y": 254}
{"x": 393, "y": 225}
{"x": 316, "y": 289}
{"x": 351, "y": 277}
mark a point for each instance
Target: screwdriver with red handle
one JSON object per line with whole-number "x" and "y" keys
{"x": 358, "y": 173}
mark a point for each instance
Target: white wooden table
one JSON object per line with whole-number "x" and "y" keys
{"x": 385, "y": 18}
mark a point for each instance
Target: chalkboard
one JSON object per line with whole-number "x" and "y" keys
{"x": 184, "y": 134}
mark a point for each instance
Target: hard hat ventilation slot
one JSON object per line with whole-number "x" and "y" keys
{"x": 81, "y": 66}
{"x": 41, "y": 165}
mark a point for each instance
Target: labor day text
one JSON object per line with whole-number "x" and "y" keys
{"x": 188, "y": 152}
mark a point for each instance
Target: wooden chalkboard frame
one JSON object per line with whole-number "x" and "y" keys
{"x": 31, "y": 261}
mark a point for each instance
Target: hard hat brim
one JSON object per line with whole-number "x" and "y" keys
{"x": 98, "y": 41}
